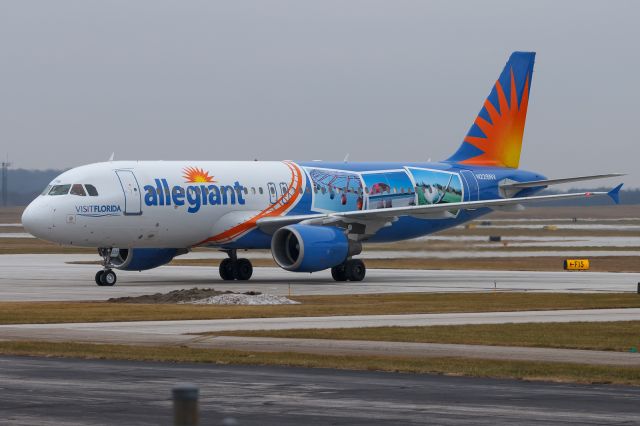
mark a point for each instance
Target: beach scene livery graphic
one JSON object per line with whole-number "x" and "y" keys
{"x": 387, "y": 189}
{"x": 344, "y": 190}
{"x": 436, "y": 187}
{"x": 336, "y": 190}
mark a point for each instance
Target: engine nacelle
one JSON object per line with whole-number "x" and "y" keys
{"x": 310, "y": 248}
{"x": 141, "y": 259}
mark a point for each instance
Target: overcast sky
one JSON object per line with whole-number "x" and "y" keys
{"x": 381, "y": 80}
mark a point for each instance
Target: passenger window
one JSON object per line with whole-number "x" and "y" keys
{"x": 246, "y": 190}
{"x": 46, "y": 190}
{"x": 91, "y": 190}
{"x": 260, "y": 191}
{"x": 60, "y": 190}
{"x": 253, "y": 190}
{"x": 77, "y": 189}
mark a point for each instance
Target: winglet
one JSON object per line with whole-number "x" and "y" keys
{"x": 615, "y": 194}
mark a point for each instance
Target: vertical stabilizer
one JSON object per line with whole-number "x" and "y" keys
{"x": 495, "y": 138}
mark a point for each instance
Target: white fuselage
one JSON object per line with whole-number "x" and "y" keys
{"x": 163, "y": 203}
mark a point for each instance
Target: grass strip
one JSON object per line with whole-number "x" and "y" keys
{"x": 605, "y": 336}
{"x": 330, "y": 305}
{"x": 523, "y": 370}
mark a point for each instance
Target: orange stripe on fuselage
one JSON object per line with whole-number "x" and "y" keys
{"x": 246, "y": 226}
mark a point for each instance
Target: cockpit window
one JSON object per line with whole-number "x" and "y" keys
{"x": 46, "y": 190}
{"x": 77, "y": 189}
{"x": 60, "y": 190}
{"x": 91, "y": 190}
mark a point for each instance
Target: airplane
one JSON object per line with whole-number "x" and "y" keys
{"x": 311, "y": 215}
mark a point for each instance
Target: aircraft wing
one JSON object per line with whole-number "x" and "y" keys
{"x": 369, "y": 221}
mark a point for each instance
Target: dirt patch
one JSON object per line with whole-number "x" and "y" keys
{"x": 175, "y": 296}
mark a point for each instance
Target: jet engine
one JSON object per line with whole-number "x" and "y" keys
{"x": 310, "y": 248}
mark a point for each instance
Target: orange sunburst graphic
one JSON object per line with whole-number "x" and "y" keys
{"x": 503, "y": 141}
{"x": 195, "y": 174}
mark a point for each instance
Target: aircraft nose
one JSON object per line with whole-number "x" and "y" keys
{"x": 36, "y": 219}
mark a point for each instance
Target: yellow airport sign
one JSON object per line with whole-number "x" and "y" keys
{"x": 576, "y": 264}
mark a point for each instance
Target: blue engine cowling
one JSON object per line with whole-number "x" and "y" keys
{"x": 309, "y": 248}
{"x": 141, "y": 259}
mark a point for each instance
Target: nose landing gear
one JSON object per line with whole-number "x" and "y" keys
{"x": 233, "y": 268}
{"x": 105, "y": 277}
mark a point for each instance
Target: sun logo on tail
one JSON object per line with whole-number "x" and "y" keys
{"x": 503, "y": 131}
{"x": 195, "y": 174}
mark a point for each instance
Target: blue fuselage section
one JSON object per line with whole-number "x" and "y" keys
{"x": 339, "y": 187}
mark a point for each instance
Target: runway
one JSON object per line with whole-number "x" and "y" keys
{"x": 91, "y": 392}
{"x": 33, "y": 277}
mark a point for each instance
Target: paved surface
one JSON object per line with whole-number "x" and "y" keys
{"x": 48, "y": 277}
{"x": 184, "y": 333}
{"x": 179, "y": 327}
{"x": 367, "y": 348}
{"x": 80, "y": 392}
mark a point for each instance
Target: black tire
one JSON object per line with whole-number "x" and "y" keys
{"x": 355, "y": 270}
{"x": 108, "y": 278}
{"x": 339, "y": 272}
{"x": 226, "y": 270}
{"x": 99, "y": 277}
{"x": 243, "y": 270}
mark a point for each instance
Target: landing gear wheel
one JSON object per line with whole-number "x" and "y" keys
{"x": 243, "y": 270}
{"x": 99, "y": 277}
{"x": 339, "y": 273}
{"x": 355, "y": 269}
{"x": 226, "y": 270}
{"x": 108, "y": 278}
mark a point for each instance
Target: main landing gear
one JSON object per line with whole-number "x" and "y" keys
{"x": 233, "y": 268}
{"x": 106, "y": 276}
{"x": 350, "y": 270}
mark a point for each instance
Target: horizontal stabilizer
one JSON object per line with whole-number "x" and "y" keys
{"x": 548, "y": 182}
{"x": 614, "y": 194}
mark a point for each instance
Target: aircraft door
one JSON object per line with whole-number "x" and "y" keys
{"x": 472, "y": 186}
{"x": 273, "y": 194}
{"x": 131, "y": 189}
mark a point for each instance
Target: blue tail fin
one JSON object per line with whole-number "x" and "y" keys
{"x": 495, "y": 138}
